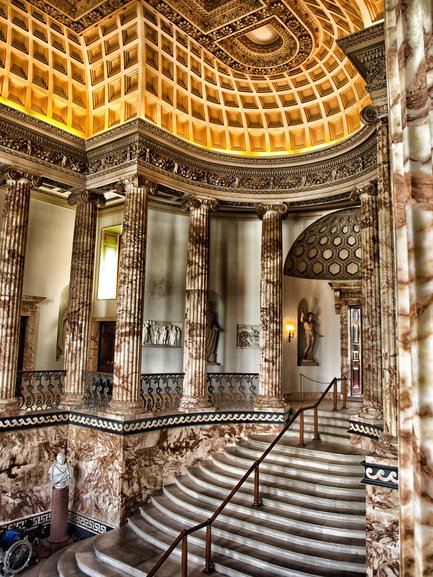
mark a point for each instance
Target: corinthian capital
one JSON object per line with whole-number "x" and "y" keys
{"x": 369, "y": 189}
{"x": 279, "y": 207}
{"x": 194, "y": 202}
{"x": 13, "y": 176}
{"x": 84, "y": 196}
{"x": 136, "y": 181}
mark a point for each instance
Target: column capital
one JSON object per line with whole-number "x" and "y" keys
{"x": 280, "y": 207}
{"x": 358, "y": 192}
{"x": 136, "y": 181}
{"x": 84, "y": 196}
{"x": 194, "y": 202}
{"x": 372, "y": 113}
{"x": 13, "y": 176}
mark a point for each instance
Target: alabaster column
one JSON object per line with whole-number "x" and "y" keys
{"x": 271, "y": 311}
{"x": 371, "y": 324}
{"x": 377, "y": 115}
{"x": 408, "y": 35}
{"x": 194, "y": 395}
{"x": 13, "y": 236}
{"x": 80, "y": 293}
{"x": 126, "y": 399}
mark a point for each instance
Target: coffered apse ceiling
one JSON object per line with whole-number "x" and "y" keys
{"x": 247, "y": 77}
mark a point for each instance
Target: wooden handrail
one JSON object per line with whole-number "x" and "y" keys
{"x": 183, "y": 535}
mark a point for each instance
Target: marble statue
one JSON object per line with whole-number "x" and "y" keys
{"x": 60, "y": 473}
{"x": 212, "y": 333}
{"x": 310, "y": 334}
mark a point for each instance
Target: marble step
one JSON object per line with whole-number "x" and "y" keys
{"x": 301, "y": 459}
{"x": 322, "y": 451}
{"x": 63, "y": 562}
{"x": 300, "y": 468}
{"x": 329, "y": 541}
{"x": 313, "y": 485}
{"x": 271, "y": 559}
{"x": 279, "y": 505}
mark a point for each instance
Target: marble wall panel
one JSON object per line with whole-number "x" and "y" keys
{"x": 24, "y": 460}
{"x": 382, "y": 532}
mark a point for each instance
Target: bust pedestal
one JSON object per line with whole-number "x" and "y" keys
{"x": 59, "y": 515}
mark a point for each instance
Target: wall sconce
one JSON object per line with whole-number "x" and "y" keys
{"x": 290, "y": 330}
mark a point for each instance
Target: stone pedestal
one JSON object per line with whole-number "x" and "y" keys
{"x": 59, "y": 516}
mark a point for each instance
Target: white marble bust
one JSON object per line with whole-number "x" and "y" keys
{"x": 60, "y": 473}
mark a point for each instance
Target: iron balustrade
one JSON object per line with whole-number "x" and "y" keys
{"x": 161, "y": 392}
{"x": 257, "y": 500}
{"x": 39, "y": 390}
{"x": 234, "y": 390}
{"x": 98, "y": 388}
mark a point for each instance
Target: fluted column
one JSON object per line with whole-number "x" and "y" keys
{"x": 371, "y": 325}
{"x": 408, "y": 35}
{"x": 377, "y": 115}
{"x": 271, "y": 312}
{"x": 129, "y": 326}
{"x": 194, "y": 395}
{"x": 80, "y": 293}
{"x": 13, "y": 237}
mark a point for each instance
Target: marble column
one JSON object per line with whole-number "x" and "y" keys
{"x": 377, "y": 115}
{"x": 371, "y": 325}
{"x": 80, "y": 294}
{"x": 194, "y": 396}
{"x": 13, "y": 236}
{"x": 408, "y": 35}
{"x": 126, "y": 399}
{"x": 270, "y": 395}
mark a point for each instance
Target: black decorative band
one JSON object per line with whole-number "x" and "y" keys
{"x": 381, "y": 475}
{"x": 87, "y": 523}
{"x": 139, "y": 425}
{"x": 365, "y": 429}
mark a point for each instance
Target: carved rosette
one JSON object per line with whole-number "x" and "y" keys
{"x": 129, "y": 326}
{"x": 271, "y": 314}
{"x": 13, "y": 237}
{"x": 80, "y": 293}
{"x": 195, "y": 352}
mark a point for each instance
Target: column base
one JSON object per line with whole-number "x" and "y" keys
{"x": 265, "y": 403}
{"x": 127, "y": 409}
{"x": 71, "y": 401}
{"x": 373, "y": 415}
{"x": 9, "y": 407}
{"x": 195, "y": 405}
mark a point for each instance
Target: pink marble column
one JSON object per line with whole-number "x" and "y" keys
{"x": 80, "y": 293}
{"x": 13, "y": 236}
{"x": 194, "y": 396}
{"x": 271, "y": 315}
{"x": 371, "y": 325}
{"x": 408, "y": 35}
{"x": 126, "y": 399}
{"x": 377, "y": 115}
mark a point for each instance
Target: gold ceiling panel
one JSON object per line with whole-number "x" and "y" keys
{"x": 254, "y": 77}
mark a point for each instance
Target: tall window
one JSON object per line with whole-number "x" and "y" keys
{"x": 109, "y": 262}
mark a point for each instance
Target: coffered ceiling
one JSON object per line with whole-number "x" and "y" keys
{"x": 246, "y": 77}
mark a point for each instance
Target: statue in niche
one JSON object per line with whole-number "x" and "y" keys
{"x": 212, "y": 332}
{"x": 310, "y": 334}
{"x": 60, "y": 473}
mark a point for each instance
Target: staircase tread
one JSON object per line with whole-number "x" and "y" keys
{"x": 316, "y": 566}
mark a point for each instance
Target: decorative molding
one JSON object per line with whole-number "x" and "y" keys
{"x": 34, "y": 420}
{"x": 30, "y": 522}
{"x": 380, "y": 475}
{"x": 365, "y": 429}
{"x": 87, "y": 523}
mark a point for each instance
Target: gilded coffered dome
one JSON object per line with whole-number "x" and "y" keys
{"x": 245, "y": 77}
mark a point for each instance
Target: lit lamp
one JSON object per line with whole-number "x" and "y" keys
{"x": 290, "y": 330}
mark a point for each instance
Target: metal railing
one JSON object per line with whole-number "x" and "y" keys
{"x": 39, "y": 390}
{"x": 257, "y": 501}
{"x": 162, "y": 392}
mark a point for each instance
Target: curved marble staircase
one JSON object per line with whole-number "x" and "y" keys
{"x": 312, "y": 523}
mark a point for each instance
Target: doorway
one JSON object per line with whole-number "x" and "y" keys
{"x": 107, "y": 334}
{"x": 355, "y": 348}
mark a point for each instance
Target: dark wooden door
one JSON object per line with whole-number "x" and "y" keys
{"x": 107, "y": 331}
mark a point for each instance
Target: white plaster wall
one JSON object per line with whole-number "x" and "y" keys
{"x": 235, "y": 280}
{"x": 46, "y": 272}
